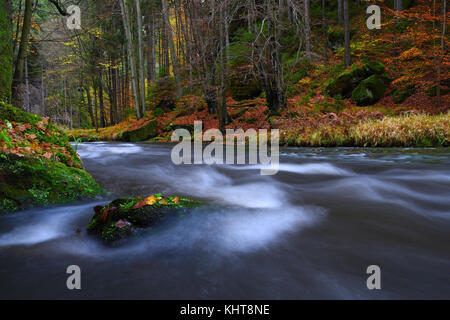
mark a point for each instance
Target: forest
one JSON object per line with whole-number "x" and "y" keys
{"x": 313, "y": 69}
{"x": 341, "y": 108}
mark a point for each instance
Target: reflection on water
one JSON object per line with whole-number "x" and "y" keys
{"x": 308, "y": 232}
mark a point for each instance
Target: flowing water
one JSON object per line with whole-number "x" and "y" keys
{"x": 310, "y": 231}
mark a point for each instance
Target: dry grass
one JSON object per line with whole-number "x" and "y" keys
{"x": 418, "y": 130}
{"x": 404, "y": 131}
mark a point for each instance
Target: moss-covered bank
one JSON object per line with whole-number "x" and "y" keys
{"x": 38, "y": 166}
{"x": 27, "y": 181}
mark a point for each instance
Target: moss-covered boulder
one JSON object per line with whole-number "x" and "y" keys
{"x": 120, "y": 218}
{"x": 348, "y": 80}
{"x": 146, "y": 131}
{"x": 370, "y": 90}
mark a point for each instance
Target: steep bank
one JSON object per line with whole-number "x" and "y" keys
{"x": 38, "y": 166}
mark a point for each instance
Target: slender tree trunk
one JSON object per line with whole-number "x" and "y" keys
{"x": 442, "y": 53}
{"x": 307, "y": 30}
{"x": 223, "y": 117}
{"x": 132, "y": 63}
{"x": 324, "y": 31}
{"x": 90, "y": 107}
{"x": 340, "y": 16}
{"x": 42, "y": 92}
{"x": 23, "y": 48}
{"x": 141, "y": 56}
{"x": 348, "y": 58}
{"x": 102, "y": 105}
{"x": 95, "y": 108}
{"x": 27, "y": 104}
{"x": 173, "y": 54}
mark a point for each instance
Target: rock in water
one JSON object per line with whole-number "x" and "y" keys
{"x": 118, "y": 219}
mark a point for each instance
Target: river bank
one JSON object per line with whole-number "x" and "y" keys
{"x": 38, "y": 166}
{"x": 360, "y": 129}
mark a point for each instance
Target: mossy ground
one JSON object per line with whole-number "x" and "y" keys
{"x": 38, "y": 166}
{"x": 27, "y": 181}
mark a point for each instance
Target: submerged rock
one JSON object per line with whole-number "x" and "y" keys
{"x": 118, "y": 219}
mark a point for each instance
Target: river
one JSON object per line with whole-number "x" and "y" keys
{"x": 310, "y": 231}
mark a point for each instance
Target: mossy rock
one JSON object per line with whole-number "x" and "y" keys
{"x": 401, "y": 94}
{"x": 147, "y": 131}
{"x": 120, "y": 218}
{"x": 244, "y": 89}
{"x": 370, "y": 90}
{"x": 348, "y": 80}
{"x": 27, "y": 181}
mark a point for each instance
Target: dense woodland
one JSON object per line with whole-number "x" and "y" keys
{"x": 132, "y": 58}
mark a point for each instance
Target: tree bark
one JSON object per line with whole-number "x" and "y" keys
{"x": 307, "y": 30}
{"x": 173, "y": 54}
{"x": 23, "y": 48}
{"x": 141, "y": 56}
{"x": 132, "y": 63}
{"x": 348, "y": 58}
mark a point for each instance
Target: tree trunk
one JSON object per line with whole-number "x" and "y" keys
{"x": 340, "y": 19}
{"x": 307, "y": 30}
{"x": 348, "y": 58}
{"x": 102, "y": 105}
{"x": 23, "y": 48}
{"x": 324, "y": 31}
{"x": 442, "y": 53}
{"x": 132, "y": 63}
{"x": 141, "y": 56}
{"x": 6, "y": 52}
{"x": 173, "y": 54}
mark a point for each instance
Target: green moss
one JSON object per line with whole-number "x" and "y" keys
{"x": 105, "y": 220}
{"x": 37, "y": 181}
{"x": 370, "y": 90}
{"x": 6, "y": 53}
{"x": 143, "y": 133}
{"x": 348, "y": 80}
{"x": 10, "y": 113}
